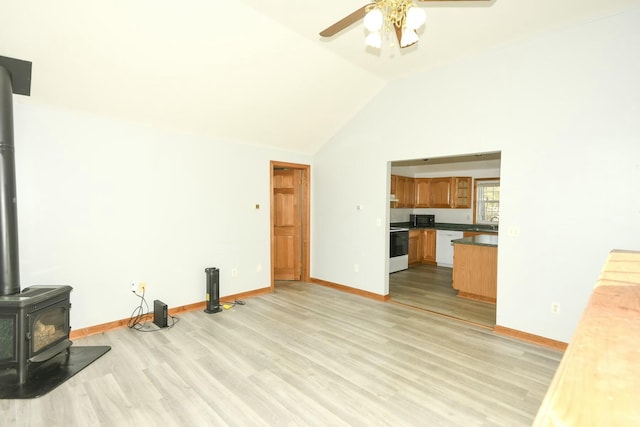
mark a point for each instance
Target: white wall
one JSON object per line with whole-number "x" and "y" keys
{"x": 563, "y": 109}
{"x": 104, "y": 202}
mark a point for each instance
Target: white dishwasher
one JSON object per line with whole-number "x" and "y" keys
{"x": 444, "y": 248}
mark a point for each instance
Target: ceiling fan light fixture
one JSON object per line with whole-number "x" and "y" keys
{"x": 374, "y": 39}
{"x": 415, "y": 18}
{"x": 408, "y": 38}
{"x": 373, "y": 20}
{"x": 391, "y": 17}
{"x": 399, "y": 17}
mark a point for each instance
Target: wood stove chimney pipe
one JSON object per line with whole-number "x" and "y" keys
{"x": 9, "y": 266}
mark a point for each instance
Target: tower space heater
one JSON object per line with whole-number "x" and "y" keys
{"x": 213, "y": 290}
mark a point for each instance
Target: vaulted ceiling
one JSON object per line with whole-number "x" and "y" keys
{"x": 251, "y": 71}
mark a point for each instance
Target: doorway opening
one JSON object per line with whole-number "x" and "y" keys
{"x": 290, "y": 222}
{"x": 428, "y": 284}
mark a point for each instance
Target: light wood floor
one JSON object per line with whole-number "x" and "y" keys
{"x": 303, "y": 355}
{"x": 429, "y": 287}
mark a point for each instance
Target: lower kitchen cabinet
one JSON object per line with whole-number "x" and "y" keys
{"x": 429, "y": 246}
{"x": 422, "y": 246}
{"x": 415, "y": 246}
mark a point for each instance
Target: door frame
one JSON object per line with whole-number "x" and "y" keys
{"x": 305, "y": 215}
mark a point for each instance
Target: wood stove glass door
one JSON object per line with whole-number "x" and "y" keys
{"x": 49, "y": 326}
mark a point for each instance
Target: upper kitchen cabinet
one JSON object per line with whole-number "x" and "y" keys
{"x": 450, "y": 192}
{"x": 394, "y": 191}
{"x": 403, "y": 188}
{"x": 461, "y": 192}
{"x": 422, "y": 189}
{"x": 440, "y": 192}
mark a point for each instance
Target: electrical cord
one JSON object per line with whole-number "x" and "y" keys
{"x": 138, "y": 321}
{"x": 174, "y": 320}
{"x": 228, "y": 305}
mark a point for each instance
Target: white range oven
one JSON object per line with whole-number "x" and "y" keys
{"x": 398, "y": 249}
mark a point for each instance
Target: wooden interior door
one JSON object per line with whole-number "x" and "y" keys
{"x": 287, "y": 224}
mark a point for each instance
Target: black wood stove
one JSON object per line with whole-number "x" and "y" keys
{"x": 34, "y": 322}
{"x": 34, "y": 327}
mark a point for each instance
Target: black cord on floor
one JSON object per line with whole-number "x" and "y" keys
{"x": 136, "y": 320}
{"x": 174, "y": 320}
{"x": 231, "y": 304}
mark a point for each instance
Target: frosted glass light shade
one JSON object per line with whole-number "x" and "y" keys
{"x": 408, "y": 38}
{"x": 374, "y": 39}
{"x": 373, "y": 20}
{"x": 415, "y": 18}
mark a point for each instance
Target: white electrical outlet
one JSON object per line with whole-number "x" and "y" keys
{"x": 513, "y": 231}
{"x": 138, "y": 286}
{"x": 259, "y": 268}
{"x": 555, "y": 307}
{"x": 356, "y": 268}
{"x": 234, "y": 272}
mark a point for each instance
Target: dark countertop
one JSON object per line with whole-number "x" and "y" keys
{"x": 450, "y": 226}
{"x": 479, "y": 240}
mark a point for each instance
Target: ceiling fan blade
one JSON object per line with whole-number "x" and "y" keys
{"x": 345, "y": 22}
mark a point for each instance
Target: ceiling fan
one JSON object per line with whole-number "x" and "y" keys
{"x": 397, "y": 8}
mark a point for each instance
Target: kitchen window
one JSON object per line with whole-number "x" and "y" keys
{"x": 487, "y": 201}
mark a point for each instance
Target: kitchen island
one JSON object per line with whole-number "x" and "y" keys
{"x": 475, "y": 267}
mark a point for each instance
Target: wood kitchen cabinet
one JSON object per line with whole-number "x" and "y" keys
{"x": 415, "y": 246}
{"x": 422, "y": 246}
{"x": 475, "y": 271}
{"x": 409, "y": 193}
{"x": 440, "y": 192}
{"x": 394, "y": 189}
{"x": 422, "y": 189}
{"x": 404, "y": 191}
{"x": 461, "y": 197}
{"x": 428, "y": 246}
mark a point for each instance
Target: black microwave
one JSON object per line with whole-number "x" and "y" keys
{"x": 422, "y": 220}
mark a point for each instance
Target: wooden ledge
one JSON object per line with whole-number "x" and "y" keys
{"x": 598, "y": 380}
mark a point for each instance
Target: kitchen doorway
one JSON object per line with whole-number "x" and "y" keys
{"x": 424, "y": 285}
{"x": 290, "y": 221}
